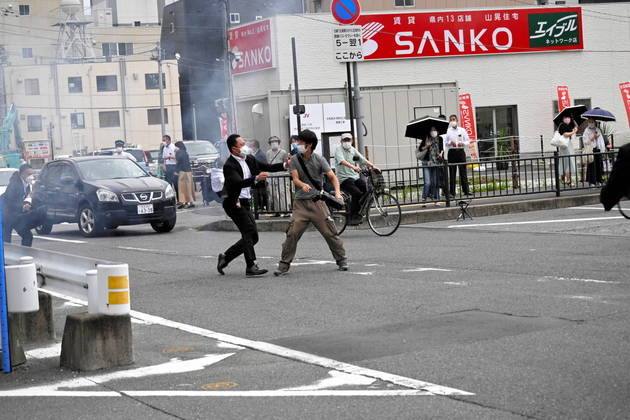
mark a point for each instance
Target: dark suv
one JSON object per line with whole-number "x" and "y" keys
{"x": 100, "y": 192}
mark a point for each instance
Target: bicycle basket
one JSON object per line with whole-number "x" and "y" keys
{"x": 377, "y": 180}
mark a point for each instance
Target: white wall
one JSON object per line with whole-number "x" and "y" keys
{"x": 526, "y": 80}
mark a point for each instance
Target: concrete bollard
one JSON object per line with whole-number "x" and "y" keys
{"x": 113, "y": 289}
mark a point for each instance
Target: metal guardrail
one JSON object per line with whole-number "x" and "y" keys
{"x": 59, "y": 272}
{"x": 507, "y": 176}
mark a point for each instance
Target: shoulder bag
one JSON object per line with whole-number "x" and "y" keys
{"x": 327, "y": 197}
{"x": 559, "y": 141}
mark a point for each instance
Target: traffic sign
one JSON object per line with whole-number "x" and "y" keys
{"x": 348, "y": 43}
{"x": 345, "y": 12}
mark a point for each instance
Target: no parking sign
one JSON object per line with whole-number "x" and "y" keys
{"x": 345, "y": 12}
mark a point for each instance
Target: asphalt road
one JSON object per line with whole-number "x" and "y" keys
{"x": 528, "y": 313}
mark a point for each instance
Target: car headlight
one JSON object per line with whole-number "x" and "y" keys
{"x": 169, "y": 193}
{"x": 106, "y": 196}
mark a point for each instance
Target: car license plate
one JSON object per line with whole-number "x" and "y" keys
{"x": 145, "y": 208}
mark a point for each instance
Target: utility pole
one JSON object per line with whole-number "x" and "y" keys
{"x": 161, "y": 87}
{"x": 357, "y": 107}
{"x": 296, "y": 110}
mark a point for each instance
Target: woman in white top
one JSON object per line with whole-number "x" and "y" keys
{"x": 593, "y": 144}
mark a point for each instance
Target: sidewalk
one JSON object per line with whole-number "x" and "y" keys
{"x": 415, "y": 213}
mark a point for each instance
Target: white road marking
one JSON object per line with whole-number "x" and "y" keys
{"x": 335, "y": 380}
{"x": 580, "y": 297}
{"x": 362, "y": 273}
{"x": 456, "y": 283}
{"x": 546, "y": 278}
{"x": 374, "y": 265}
{"x": 595, "y": 208}
{"x": 174, "y": 366}
{"x": 45, "y": 238}
{"x": 536, "y": 222}
{"x": 313, "y": 262}
{"x": 53, "y": 350}
{"x": 422, "y": 269}
{"x": 223, "y": 345}
{"x": 255, "y": 394}
{"x": 154, "y": 251}
{"x": 289, "y": 353}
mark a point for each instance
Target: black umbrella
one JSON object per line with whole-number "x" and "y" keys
{"x": 599, "y": 114}
{"x": 575, "y": 112}
{"x": 420, "y": 128}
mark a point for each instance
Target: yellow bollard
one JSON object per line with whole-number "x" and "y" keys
{"x": 113, "y": 289}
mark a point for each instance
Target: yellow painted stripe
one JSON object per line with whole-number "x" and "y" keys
{"x": 118, "y": 298}
{"x": 118, "y": 282}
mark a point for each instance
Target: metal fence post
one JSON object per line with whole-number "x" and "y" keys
{"x": 542, "y": 146}
{"x": 4, "y": 315}
{"x": 556, "y": 172}
{"x": 447, "y": 185}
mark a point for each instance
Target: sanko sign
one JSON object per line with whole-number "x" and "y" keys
{"x": 473, "y": 32}
{"x": 250, "y": 46}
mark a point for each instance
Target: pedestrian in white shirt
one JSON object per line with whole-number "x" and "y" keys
{"x": 455, "y": 142}
{"x": 120, "y": 150}
{"x": 168, "y": 157}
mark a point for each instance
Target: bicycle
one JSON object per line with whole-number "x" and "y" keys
{"x": 379, "y": 207}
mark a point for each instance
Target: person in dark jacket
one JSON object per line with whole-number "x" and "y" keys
{"x": 185, "y": 190}
{"x": 18, "y": 213}
{"x": 618, "y": 185}
{"x": 260, "y": 188}
{"x": 241, "y": 172}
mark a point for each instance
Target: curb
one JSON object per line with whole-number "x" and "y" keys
{"x": 433, "y": 215}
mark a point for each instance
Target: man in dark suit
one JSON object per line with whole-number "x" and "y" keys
{"x": 618, "y": 185}
{"x": 241, "y": 172}
{"x": 17, "y": 208}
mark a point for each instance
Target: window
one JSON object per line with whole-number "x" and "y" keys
{"x": 110, "y": 49}
{"x": 25, "y": 10}
{"x": 31, "y": 86}
{"x": 172, "y": 27}
{"x": 106, "y": 83}
{"x": 497, "y": 130}
{"x": 259, "y": 17}
{"x": 125, "y": 48}
{"x": 137, "y": 23}
{"x": 75, "y": 84}
{"x": 27, "y": 53}
{"x": 77, "y": 120}
{"x": 108, "y": 119}
{"x": 235, "y": 18}
{"x": 153, "y": 116}
{"x": 404, "y": 3}
{"x": 151, "y": 81}
{"x": 583, "y": 101}
{"x": 34, "y": 122}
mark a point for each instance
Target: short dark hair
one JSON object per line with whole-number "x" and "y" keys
{"x": 308, "y": 137}
{"x": 453, "y": 115}
{"x": 25, "y": 167}
{"x": 295, "y": 137}
{"x": 180, "y": 145}
{"x": 119, "y": 142}
{"x": 166, "y": 136}
{"x": 273, "y": 138}
{"x": 256, "y": 143}
{"x": 231, "y": 140}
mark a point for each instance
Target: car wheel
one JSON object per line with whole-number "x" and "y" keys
{"x": 89, "y": 224}
{"x": 164, "y": 226}
{"x": 44, "y": 229}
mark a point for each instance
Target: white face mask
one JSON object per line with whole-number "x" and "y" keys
{"x": 245, "y": 151}
{"x": 346, "y": 145}
{"x": 275, "y": 145}
{"x": 453, "y": 124}
{"x": 300, "y": 148}
{"x": 434, "y": 134}
{"x": 119, "y": 149}
{"x": 567, "y": 120}
{"x": 591, "y": 125}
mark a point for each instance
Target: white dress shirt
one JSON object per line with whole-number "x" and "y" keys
{"x": 246, "y": 193}
{"x": 169, "y": 151}
{"x": 452, "y": 134}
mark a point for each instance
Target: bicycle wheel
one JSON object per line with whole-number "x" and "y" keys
{"x": 384, "y": 214}
{"x": 339, "y": 216}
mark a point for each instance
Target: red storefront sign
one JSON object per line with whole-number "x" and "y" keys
{"x": 251, "y": 47}
{"x": 564, "y": 100}
{"x": 467, "y": 116}
{"x": 223, "y": 124}
{"x": 470, "y": 32}
{"x": 625, "y": 97}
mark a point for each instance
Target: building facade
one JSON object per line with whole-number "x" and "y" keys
{"x": 84, "y": 107}
{"x": 512, "y": 94}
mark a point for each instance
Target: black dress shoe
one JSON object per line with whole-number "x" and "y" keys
{"x": 221, "y": 264}
{"x": 254, "y": 271}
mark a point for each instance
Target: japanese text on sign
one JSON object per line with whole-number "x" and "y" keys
{"x": 348, "y": 44}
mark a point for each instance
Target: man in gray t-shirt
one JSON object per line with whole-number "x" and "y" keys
{"x": 317, "y": 167}
{"x": 306, "y": 210}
